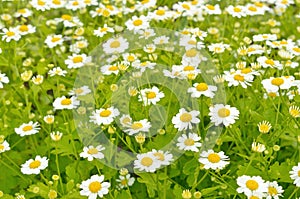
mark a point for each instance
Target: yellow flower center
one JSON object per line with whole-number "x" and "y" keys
{"x": 296, "y": 49}
{"x": 272, "y": 191}
{"x": 299, "y": 173}
{"x": 159, "y": 156}
{"x": 252, "y": 8}
{"x": 95, "y": 186}
{"x": 189, "y": 142}
{"x": 145, "y": 1}
{"x": 66, "y": 102}
{"x": 191, "y": 53}
{"x": 214, "y": 158}
{"x": 186, "y": 117}
{"x": 23, "y": 28}
{"x": 237, "y": 9}
{"x": 77, "y": 59}
{"x": 223, "y": 112}
{"x": 130, "y": 58}
{"x": 253, "y": 197}
{"x": 202, "y": 87}
{"x": 210, "y": 7}
{"x": 294, "y": 112}
{"x": 136, "y": 125}
{"x": 246, "y": 70}
{"x": 186, "y": 6}
{"x": 192, "y": 42}
{"x": 272, "y": 94}
{"x": 105, "y": 113}
{"x": 1, "y": 147}
{"x": 239, "y": 78}
{"x": 146, "y": 161}
{"x": 126, "y": 120}
{"x": 106, "y": 13}
{"x": 22, "y": 11}
{"x": 55, "y": 39}
{"x": 160, "y": 12}
{"x": 263, "y": 128}
{"x": 10, "y": 33}
{"x": 270, "y": 62}
{"x": 66, "y": 17}
{"x": 123, "y": 182}
{"x": 188, "y": 68}
{"x": 277, "y": 81}
{"x": 78, "y": 91}
{"x": 56, "y": 2}
{"x": 35, "y": 164}
{"x": 27, "y": 128}
{"x": 151, "y": 95}
{"x": 115, "y": 44}
{"x": 113, "y": 68}
{"x": 41, "y": 3}
{"x": 92, "y": 151}
{"x": 252, "y": 185}
{"x": 75, "y": 3}
{"x": 137, "y": 22}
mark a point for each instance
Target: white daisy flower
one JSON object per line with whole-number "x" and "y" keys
{"x": 264, "y": 37}
{"x": 65, "y": 103}
{"x": 83, "y": 90}
{"x": 26, "y": 29}
{"x": 38, "y": 79}
{"x": 27, "y": 129}
{"x": 94, "y": 187}
{"x": 125, "y": 181}
{"x": 75, "y": 5}
{"x": 237, "y": 77}
{"x": 115, "y": 45}
{"x": 110, "y": 69}
{"x": 295, "y": 175}
{"x": 161, "y": 40}
{"x": 236, "y": 11}
{"x": 138, "y": 126}
{"x": 10, "y": 34}
{"x": 217, "y": 48}
{"x": 202, "y": 88}
{"x": 269, "y": 63}
{"x": 56, "y": 136}
{"x": 165, "y": 158}
{"x": 4, "y": 146}
{"x": 100, "y": 32}
{"x": 41, "y": 5}
{"x": 223, "y": 114}
{"x": 126, "y": 120}
{"x": 92, "y": 152}
{"x": 274, "y": 190}
{"x": 49, "y": 119}
{"x": 57, "y": 71}
{"x": 146, "y": 162}
{"x": 213, "y": 160}
{"x": 3, "y": 79}
{"x": 34, "y": 166}
{"x": 54, "y": 40}
{"x": 137, "y": 23}
{"x": 184, "y": 120}
{"x": 150, "y": 95}
{"x": 69, "y": 21}
{"x": 212, "y": 10}
{"x": 273, "y": 84}
{"x": 77, "y": 61}
{"x": 55, "y": 4}
{"x": 24, "y": 12}
{"x": 104, "y": 116}
{"x": 249, "y": 185}
{"x": 146, "y": 34}
{"x": 142, "y": 66}
{"x": 189, "y": 143}
{"x": 160, "y": 14}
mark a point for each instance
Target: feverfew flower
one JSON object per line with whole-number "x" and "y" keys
{"x": 65, "y": 103}
{"x": 137, "y": 23}
{"x": 146, "y": 162}
{"x": 150, "y": 95}
{"x": 94, "y": 187}
{"x": 202, "y": 88}
{"x": 57, "y": 71}
{"x": 83, "y": 90}
{"x": 28, "y": 129}
{"x": 213, "y": 160}
{"x": 223, "y": 114}
{"x": 77, "y": 61}
{"x": 10, "y": 34}
{"x": 125, "y": 181}
{"x": 295, "y": 175}
{"x": 54, "y": 40}
{"x": 104, "y": 116}
{"x": 3, "y": 79}
{"x": 92, "y": 152}
{"x": 189, "y": 142}
{"x": 184, "y": 120}
{"x": 34, "y": 166}
{"x": 4, "y": 146}
{"x": 249, "y": 185}
{"x": 138, "y": 126}
{"x": 274, "y": 190}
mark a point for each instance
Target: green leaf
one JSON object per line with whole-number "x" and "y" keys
{"x": 190, "y": 166}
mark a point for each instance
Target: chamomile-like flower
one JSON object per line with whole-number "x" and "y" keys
{"x": 77, "y": 60}
{"x": 273, "y": 84}
{"x": 101, "y": 31}
{"x": 294, "y": 111}
{"x": 223, "y": 114}
{"x": 125, "y": 181}
{"x": 274, "y": 190}
{"x": 28, "y": 129}
{"x": 150, "y": 95}
{"x": 34, "y": 166}
{"x": 10, "y": 34}
{"x": 249, "y": 185}
{"x": 146, "y": 162}
{"x": 189, "y": 142}
{"x": 54, "y": 40}
{"x": 138, "y": 126}
{"x": 92, "y": 152}
{"x": 57, "y": 71}
{"x": 264, "y": 126}
{"x": 295, "y": 174}
{"x": 115, "y": 45}
{"x": 65, "y": 103}
{"x": 184, "y": 119}
{"x": 137, "y": 23}
{"x": 164, "y": 157}
{"x": 104, "y": 115}
{"x": 94, "y": 187}
{"x": 4, "y": 146}
{"x": 202, "y": 88}
{"x": 213, "y": 160}
{"x": 83, "y": 90}
{"x": 3, "y": 79}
